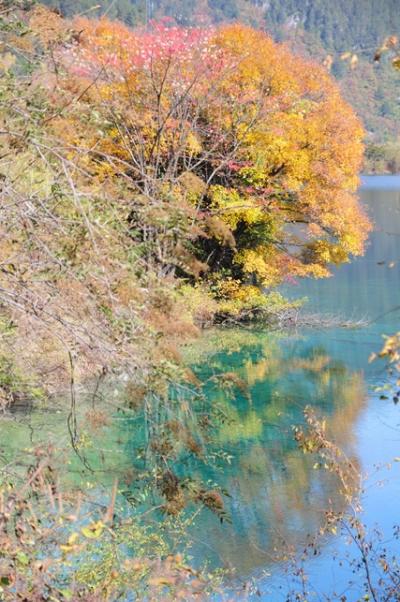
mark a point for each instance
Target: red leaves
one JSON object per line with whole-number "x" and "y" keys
{"x": 110, "y": 45}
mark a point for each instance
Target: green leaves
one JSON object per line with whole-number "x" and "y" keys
{"x": 22, "y": 558}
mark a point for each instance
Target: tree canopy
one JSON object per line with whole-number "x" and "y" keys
{"x": 243, "y": 158}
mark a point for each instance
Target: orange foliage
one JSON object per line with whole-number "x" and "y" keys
{"x": 272, "y": 150}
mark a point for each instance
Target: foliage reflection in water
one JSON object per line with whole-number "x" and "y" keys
{"x": 276, "y": 498}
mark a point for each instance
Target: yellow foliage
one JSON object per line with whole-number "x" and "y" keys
{"x": 260, "y": 261}
{"x": 233, "y": 144}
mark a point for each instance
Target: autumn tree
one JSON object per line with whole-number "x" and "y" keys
{"x": 81, "y": 300}
{"x": 241, "y": 159}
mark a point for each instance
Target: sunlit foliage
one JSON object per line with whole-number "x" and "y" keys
{"x": 242, "y": 159}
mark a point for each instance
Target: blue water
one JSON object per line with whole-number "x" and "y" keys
{"x": 380, "y": 182}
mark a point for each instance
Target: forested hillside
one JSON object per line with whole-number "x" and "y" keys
{"x": 182, "y": 11}
{"x": 317, "y": 28}
{"x": 341, "y": 25}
